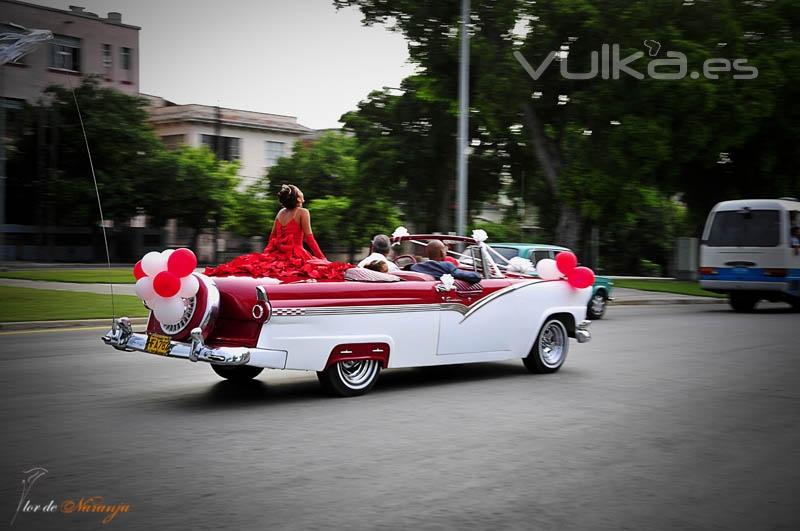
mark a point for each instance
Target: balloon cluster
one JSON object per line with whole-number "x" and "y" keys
{"x": 164, "y": 279}
{"x": 565, "y": 265}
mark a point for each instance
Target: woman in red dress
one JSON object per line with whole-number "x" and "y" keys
{"x": 284, "y": 257}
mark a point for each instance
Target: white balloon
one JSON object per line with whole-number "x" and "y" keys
{"x": 153, "y": 263}
{"x": 144, "y": 288}
{"x": 189, "y": 286}
{"x": 547, "y": 269}
{"x": 165, "y": 255}
{"x": 168, "y": 311}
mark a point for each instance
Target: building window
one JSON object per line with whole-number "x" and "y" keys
{"x": 125, "y": 56}
{"x": 9, "y": 33}
{"x": 108, "y": 61}
{"x": 275, "y": 150}
{"x": 65, "y": 53}
{"x": 225, "y": 147}
{"x": 173, "y": 142}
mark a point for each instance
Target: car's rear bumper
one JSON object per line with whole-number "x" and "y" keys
{"x": 122, "y": 337}
{"x": 743, "y": 285}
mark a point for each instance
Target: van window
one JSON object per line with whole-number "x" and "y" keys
{"x": 535, "y": 256}
{"x": 745, "y": 228}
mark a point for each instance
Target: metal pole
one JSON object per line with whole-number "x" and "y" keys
{"x": 463, "y": 122}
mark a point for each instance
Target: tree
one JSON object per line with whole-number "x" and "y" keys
{"x": 595, "y": 142}
{"x": 203, "y": 192}
{"x": 347, "y": 207}
{"x": 50, "y": 166}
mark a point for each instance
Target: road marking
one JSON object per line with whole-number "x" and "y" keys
{"x": 45, "y": 330}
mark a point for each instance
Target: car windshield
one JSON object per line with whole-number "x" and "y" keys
{"x": 745, "y": 228}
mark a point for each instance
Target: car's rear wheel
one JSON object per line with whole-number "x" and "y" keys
{"x": 597, "y": 305}
{"x": 742, "y": 302}
{"x": 350, "y": 378}
{"x": 237, "y": 373}
{"x": 550, "y": 348}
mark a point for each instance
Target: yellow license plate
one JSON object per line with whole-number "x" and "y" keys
{"x": 157, "y": 344}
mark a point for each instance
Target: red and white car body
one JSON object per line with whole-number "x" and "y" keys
{"x": 348, "y": 331}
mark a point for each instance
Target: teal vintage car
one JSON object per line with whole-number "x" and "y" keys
{"x": 603, "y": 287}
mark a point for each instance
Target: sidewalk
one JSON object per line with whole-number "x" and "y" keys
{"x": 622, "y": 296}
{"x": 627, "y": 296}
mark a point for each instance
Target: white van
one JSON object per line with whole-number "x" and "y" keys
{"x": 746, "y": 252}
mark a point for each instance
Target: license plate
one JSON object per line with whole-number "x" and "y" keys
{"x": 740, "y": 270}
{"x": 157, "y": 344}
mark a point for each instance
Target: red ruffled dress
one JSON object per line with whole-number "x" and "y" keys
{"x": 284, "y": 258}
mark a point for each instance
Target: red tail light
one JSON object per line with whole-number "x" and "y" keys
{"x": 776, "y": 272}
{"x": 708, "y": 271}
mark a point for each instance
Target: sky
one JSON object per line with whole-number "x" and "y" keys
{"x": 295, "y": 57}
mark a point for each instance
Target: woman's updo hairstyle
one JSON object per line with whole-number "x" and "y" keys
{"x": 288, "y": 196}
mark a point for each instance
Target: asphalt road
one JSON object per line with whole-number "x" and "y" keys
{"x": 673, "y": 417}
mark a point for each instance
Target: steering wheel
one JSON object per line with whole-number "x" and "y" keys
{"x": 409, "y": 257}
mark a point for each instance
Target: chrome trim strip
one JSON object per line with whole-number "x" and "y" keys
{"x": 496, "y": 295}
{"x": 459, "y": 307}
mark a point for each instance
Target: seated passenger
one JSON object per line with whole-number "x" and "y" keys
{"x": 381, "y": 266}
{"x": 381, "y": 245}
{"x": 437, "y": 266}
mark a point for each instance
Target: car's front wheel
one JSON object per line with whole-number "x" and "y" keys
{"x": 350, "y": 378}
{"x": 597, "y": 306}
{"x": 237, "y": 373}
{"x": 550, "y": 348}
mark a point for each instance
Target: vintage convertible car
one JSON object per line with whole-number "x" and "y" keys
{"x": 347, "y": 331}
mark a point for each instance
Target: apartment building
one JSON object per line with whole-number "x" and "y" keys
{"x": 83, "y": 43}
{"x": 256, "y": 140}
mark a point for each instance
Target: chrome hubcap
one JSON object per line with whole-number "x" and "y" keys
{"x": 552, "y": 343}
{"x": 598, "y": 304}
{"x": 357, "y": 374}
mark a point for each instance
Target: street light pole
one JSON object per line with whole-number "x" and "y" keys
{"x": 463, "y": 122}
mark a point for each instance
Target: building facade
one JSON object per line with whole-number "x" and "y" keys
{"x": 255, "y": 140}
{"x": 83, "y": 44}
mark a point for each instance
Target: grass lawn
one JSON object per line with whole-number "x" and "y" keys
{"x": 118, "y": 275}
{"x": 682, "y": 287}
{"x": 27, "y": 304}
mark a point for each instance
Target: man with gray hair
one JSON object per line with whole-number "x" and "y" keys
{"x": 381, "y": 245}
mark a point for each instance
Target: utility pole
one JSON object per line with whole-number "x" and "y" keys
{"x": 463, "y": 123}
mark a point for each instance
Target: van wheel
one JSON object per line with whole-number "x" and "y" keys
{"x": 237, "y": 373}
{"x": 742, "y": 302}
{"x": 550, "y": 348}
{"x": 350, "y": 378}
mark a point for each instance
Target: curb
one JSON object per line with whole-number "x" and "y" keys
{"x": 81, "y": 323}
{"x": 653, "y": 302}
{"x": 71, "y": 323}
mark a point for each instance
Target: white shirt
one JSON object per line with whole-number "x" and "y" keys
{"x": 378, "y": 256}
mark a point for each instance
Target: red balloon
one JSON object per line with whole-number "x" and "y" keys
{"x": 181, "y": 262}
{"x": 581, "y": 277}
{"x": 566, "y": 262}
{"x": 166, "y": 284}
{"x": 138, "y": 272}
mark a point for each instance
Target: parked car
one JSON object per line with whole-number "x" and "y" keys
{"x": 603, "y": 286}
{"x": 347, "y": 331}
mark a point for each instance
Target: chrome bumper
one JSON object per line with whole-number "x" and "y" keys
{"x": 122, "y": 337}
{"x": 582, "y": 333}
